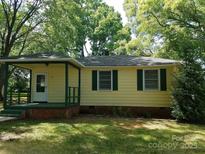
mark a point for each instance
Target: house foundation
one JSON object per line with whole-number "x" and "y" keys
{"x": 147, "y": 112}
{"x": 51, "y": 113}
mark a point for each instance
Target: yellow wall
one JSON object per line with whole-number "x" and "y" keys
{"x": 73, "y": 76}
{"x": 55, "y": 79}
{"x": 127, "y": 94}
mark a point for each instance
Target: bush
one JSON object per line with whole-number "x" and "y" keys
{"x": 189, "y": 93}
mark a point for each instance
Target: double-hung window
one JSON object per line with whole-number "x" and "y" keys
{"x": 104, "y": 80}
{"x": 151, "y": 79}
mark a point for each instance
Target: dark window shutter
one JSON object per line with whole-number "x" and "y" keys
{"x": 139, "y": 79}
{"x": 114, "y": 80}
{"x": 163, "y": 80}
{"x": 94, "y": 80}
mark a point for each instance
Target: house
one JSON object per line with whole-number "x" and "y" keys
{"x": 60, "y": 86}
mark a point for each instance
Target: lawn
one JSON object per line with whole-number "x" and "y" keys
{"x": 1, "y": 105}
{"x": 91, "y": 134}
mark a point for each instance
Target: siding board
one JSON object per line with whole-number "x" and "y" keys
{"x": 127, "y": 94}
{"x": 56, "y": 79}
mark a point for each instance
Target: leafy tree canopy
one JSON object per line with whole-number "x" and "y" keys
{"x": 69, "y": 27}
{"x": 106, "y": 31}
{"x": 173, "y": 28}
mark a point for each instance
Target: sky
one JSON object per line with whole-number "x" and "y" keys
{"x": 118, "y": 6}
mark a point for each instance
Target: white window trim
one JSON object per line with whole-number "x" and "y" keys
{"x": 159, "y": 85}
{"x": 98, "y": 81}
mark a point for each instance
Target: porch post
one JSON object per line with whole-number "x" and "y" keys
{"x": 66, "y": 84}
{"x": 30, "y": 85}
{"x": 79, "y": 84}
{"x": 5, "y": 84}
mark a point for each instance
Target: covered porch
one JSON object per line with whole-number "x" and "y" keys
{"x": 50, "y": 83}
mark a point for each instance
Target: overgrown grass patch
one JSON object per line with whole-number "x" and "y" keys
{"x": 90, "y": 134}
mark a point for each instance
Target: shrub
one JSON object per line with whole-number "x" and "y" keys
{"x": 189, "y": 93}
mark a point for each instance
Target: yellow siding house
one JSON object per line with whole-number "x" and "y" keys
{"x": 57, "y": 81}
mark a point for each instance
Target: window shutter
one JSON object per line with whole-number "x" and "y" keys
{"x": 163, "y": 80}
{"x": 94, "y": 80}
{"x": 114, "y": 80}
{"x": 139, "y": 80}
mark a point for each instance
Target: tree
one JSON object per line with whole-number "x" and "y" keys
{"x": 135, "y": 47}
{"x": 189, "y": 93}
{"x": 106, "y": 30}
{"x": 19, "y": 79}
{"x": 17, "y": 19}
{"x": 171, "y": 26}
{"x": 142, "y": 44}
{"x": 59, "y": 31}
{"x": 69, "y": 27}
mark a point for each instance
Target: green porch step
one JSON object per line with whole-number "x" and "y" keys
{"x": 11, "y": 113}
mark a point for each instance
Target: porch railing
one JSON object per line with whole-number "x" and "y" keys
{"x": 18, "y": 96}
{"x": 73, "y": 95}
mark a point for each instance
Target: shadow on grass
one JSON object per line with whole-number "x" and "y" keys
{"x": 103, "y": 135}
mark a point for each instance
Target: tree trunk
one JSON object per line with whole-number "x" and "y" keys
{"x": 82, "y": 52}
{"x": 2, "y": 78}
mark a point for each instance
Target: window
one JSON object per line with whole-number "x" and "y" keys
{"x": 151, "y": 79}
{"x": 105, "y": 80}
{"x": 40, "y": 83}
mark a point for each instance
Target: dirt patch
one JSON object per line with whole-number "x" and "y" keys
{"x": 10, "y": 137}
{"x": 131, "y": 125}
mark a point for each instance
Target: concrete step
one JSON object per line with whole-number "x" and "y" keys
{"x": 2, "y": 119}
{"x": 9, "y": 115}
{"x": 11, "y": 111}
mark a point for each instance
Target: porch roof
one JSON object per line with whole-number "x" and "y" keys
{"x": 42, "y": 57}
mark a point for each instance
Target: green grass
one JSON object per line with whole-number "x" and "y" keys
{"x": 89, "y": 134}
{"x": 1, "y": 105}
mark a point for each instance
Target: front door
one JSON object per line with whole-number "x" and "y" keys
{"x": 40, "y": 93}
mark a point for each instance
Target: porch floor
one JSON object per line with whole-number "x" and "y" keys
{"x": 40, "y": 105}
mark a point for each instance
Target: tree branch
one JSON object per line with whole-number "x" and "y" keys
{"x": 4, "y": 5}
{"x": 23, "y": 45}
{"x": 34, "y": 8}
{"x": 162, "y": 25}
{"x": 29, "y": 30}
{"x": 11, "y": 38}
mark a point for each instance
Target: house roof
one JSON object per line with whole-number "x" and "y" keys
{"x": 42, "y": 57}
{"x": 91, "y": 61}
{"x": 124, "y": 61}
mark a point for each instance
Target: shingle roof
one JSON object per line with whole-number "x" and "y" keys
{"x": 124, "y": 61}
{"x": 93, "y": 60}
